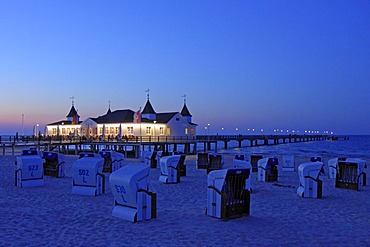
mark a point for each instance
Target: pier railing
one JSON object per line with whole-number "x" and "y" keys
{"x": 158, "y": 141}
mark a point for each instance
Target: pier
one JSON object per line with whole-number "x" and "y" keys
{"x": 131, "y": 147}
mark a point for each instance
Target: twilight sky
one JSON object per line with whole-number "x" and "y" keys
{"x": 266, "y": 64}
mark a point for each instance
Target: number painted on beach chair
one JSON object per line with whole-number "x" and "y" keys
{"x": 33, "y": 168}
{"x": 121, "y": 190}
{"x": 83, "y": 172}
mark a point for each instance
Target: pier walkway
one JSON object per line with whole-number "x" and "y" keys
{"x": 131, "y": 147}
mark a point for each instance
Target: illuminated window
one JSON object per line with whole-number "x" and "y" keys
{"x": 161, "y": 131}
{"x": 148, "y": 131}
{"x": 168, "y": 131}
{"x": 54, "y": 131}
{"x": 63, "y": 131}
{"x": 130, "y": 130}
{"x": 192, "y": 132}
{"x": 186, "y": 131}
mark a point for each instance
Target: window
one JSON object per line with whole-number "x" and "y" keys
{"x": 192, "y": 132}
{"x": 177, "y": 119}
{"x": 168, "y": 131}
{"x": 130, "y": 130}
{"x": 117, "y": 128}
{"x": 148, "y": 130}
{"x": 161, "y": 131}
{"x": 111, "y": 130}
{"x": 100, "y": 130}
{"x": 54, "y": 131}
{"x": 63, "y": 131}
{"x": 186, "y": 131}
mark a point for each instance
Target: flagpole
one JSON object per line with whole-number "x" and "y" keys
{"x": 139, "y": 119}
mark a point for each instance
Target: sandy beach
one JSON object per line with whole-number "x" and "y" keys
{"x": 52, "y": 216}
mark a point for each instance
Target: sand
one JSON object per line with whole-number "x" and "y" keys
{"x": 52, "y": 216}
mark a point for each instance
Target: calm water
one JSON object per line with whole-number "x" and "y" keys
{"x": 356, "y": 146}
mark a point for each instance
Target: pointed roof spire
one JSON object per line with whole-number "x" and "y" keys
{"x": 148, "y": 108}
{"x": 73, "y": 111}
{"x": 185, "y": 111}
{"x": 109, "y": 111}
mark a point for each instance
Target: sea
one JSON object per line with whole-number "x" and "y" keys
{"x": 357, "y": 146}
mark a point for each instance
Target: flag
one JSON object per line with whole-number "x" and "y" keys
{"x": 137, "y": 117}
{"x": 74, "y": 120}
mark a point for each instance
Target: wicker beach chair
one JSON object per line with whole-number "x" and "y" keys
{"x": 112, "y": 160}
{"x": 202, "y": 160}
{"x": 54, "y": 164}
{"x": 227, "y": 196}
{"x": 254, "y": 161}
{"x": 181, "y": 166}
{"x": 215, "y": 162}
{"x": 351, "y": 174}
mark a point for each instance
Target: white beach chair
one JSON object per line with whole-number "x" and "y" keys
{"x": 227, "y": 195}
{"x": 267, "y": 169}
{"x": 315, "y": 158}
{"x": 29, "y": 171}
{"x": 332, "y": 167}
{"x": 88, "y": 177}
{"x": 169, "y": 169}
{"x": 132, "y": 199}
{"x": 288, "y": 163}
{"x": 309, "y": 183}
{"x": 239, "y": 157}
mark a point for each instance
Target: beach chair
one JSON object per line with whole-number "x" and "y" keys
{"x": 29, "y": 171}
{"x": 309, "y": 183}
{"x": 170, "y": 173}
{"x": 227, "y": 195}
{"x": 112, "y": 160}
{"x": 202, "y": 160}
{"x": 315, "y": 158}
{"x": 182, "y": 166}
{"x": 216, "y": 162}
{"x": 245, "y": 165}
{"x": 239, "y": 157}
{"x": 145, "y": 157}
{"x": 288, "y": 163}
{"x": 31, "y": 151}
{"x": 267, "y": 169}
{"x": 87, "y": 176}
{"x": 132, "y": 199}
{"x": 88, "y": 155}
{"x": 351, "y": 174}
{"x": 153, "y": 159}
{"x": 254, "y": 161}
{"x": 54, "y": 164}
